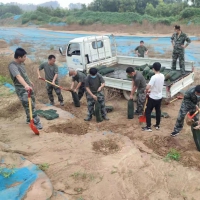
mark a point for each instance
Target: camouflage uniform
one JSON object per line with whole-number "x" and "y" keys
{"x": 141, "y": 50}
{"x": 91, "y": 103}
{"x": 189, "y": 104}
{"x": 57, "y": 90}
{"x": 93, "y": 84}
{"x": 19, "y": 69}
{"x": 141, "y": 97}
{"x": 81, "y": 91}
{"x": 50, "y": 72}
{"x": 179, "y": 51}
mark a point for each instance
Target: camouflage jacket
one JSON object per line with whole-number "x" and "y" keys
{"x": 178, "y": 41}
{"x": 190, "y": 97}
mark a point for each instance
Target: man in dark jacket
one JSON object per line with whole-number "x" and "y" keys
{"x": 190, "y": 101}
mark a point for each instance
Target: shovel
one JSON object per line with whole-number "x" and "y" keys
{"x": 178, "y": 97}
{"x": 33, "y": 127}
{"x": 55, "y": 85}
{"x": 142, "y": 119}
{"x": 192, "y": 116}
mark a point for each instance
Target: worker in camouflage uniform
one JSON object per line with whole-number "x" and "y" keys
{"x": 94, "y": 84}
{"x": 189, "y": 103}
{"x": 80, "y": 78}
{"x": 141, "y": 50}
{"x": 139, "y": 84}
{"x": 178, "y": 40}
{"x": 51, "y": 74}
{"x": 23, "y": 85}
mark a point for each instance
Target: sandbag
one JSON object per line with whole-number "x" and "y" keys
{"x": 141, "y": 68}
{"x": 48, "y": 114}
{"x": 162, "y": 69}
{"x": 165, "y": 72}
{"x": 109, "y": 109}
{"x": 106, "y": 70}
{"x": 101, "y": 67}
{"x": 169, "y": 75}
{"x": 97, "y": 111}
{"x": 163, "y": 114}
{"x": 176, "y": 75}
{"x": 75, "y": 99}
{"x": 130, "y": 109}
{"x": 150, "y": 74}
{"x": 196, "y": 136}
{"x": 145, "y": 72}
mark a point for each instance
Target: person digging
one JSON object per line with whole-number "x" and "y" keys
{"x": 94, "y": 84}
{"x": 51, "y": 74}
{"x": 190, "y": 101}
{"x": 23, "y": 85}
{"x": 80, "y": 78}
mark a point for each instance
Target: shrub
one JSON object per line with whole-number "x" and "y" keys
{"x": 33, "y": 17}
{"x": 55, "y": 20}
{"x": 25, "y": 20}
{"x": 7, "y": 15}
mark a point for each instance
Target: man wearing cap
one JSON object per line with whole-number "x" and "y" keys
{"x": 190, "y": 101}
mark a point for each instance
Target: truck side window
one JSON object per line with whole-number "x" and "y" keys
{"x": 73, "y": 49}
{"x": 97, "y": 44}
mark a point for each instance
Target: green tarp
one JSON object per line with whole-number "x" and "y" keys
{"x": 48, "y": 114}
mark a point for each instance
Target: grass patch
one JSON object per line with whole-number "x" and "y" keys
{"x": 4, "y": 79}
{"x": 6, "y": 172}
{"x": 43, "y": 166}
{"x": 82, "y": 176}
{"x": 173, "y": 155}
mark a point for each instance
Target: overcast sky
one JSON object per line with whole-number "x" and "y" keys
{"x": 63, "y": 3}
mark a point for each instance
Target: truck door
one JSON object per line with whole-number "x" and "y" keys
{"x": 74, "y": 58}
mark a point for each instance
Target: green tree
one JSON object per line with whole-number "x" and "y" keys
{"x": 150, "y": 10}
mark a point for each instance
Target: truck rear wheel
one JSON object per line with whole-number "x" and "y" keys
{"x": 127, "y": 95}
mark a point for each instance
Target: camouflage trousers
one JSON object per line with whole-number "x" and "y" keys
{"x": 57, "y": 90}
{"x": 91, "y": 103}
{"x": 185, "y": 108}
{"x": 81, "y": 91}
{"x": 141, "y": 97}
{"x": 175, "y": 56}
{"x": 23, "y": 97}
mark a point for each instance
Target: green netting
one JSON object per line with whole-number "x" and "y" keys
{"x": 48, "y": 114}
{"x": 196, "y": 136}
{"x": 101, "y": 67}
{"x": 97, "y": 111}
{"x": 130, "y": 109}
{"x": 75, "y": 99}
{"x": 163, "y": 114}
{"x": 107, "y": 70}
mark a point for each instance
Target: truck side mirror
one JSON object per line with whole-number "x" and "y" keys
{"x": 61, "y": 50}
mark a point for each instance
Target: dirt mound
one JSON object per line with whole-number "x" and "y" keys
{"x": 3, "y": 44}
{"x": 77, "y": 127}
{"x": 11, "y": 108}
{"x": 107, "y": 146}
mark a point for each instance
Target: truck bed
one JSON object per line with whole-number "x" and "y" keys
{"x": 120, "y": 73}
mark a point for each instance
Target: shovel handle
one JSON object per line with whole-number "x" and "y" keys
{"x": 55, "y": 84}
{"x": 194, "y": 114}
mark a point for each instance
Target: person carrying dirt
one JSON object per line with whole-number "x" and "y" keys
{"x": 94, "y": 84}
{"x": 154, "y": 89}
{"x": 139, "y": 84}
{"x": 141, "y": 50}
{"x": 178, "y": 39}
{"x": 51, "y": 74}
{"x": 190, "y": 101}
{"x": 23, "y": 84}
{"x": 80, "y": 78}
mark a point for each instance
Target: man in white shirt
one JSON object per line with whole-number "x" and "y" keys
{"x": 154, "y": 87}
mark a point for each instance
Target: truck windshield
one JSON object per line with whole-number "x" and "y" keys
{"x": 73, "y": 49}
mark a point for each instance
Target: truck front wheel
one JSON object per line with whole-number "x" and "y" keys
{"x": 127, "y": 95}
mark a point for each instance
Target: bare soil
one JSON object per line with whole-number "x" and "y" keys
{"x": 112, "y": 160}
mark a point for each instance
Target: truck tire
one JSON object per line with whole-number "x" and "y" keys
{"x": 126, "y": 95}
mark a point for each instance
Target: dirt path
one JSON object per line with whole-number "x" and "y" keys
{"x": 111, "y": 160}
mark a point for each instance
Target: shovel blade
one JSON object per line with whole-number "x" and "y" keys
{"x": 142, "y": 119}
{"x": 33, "y": 127}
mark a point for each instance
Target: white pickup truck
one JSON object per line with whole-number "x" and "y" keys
{"x": 86, "y": 52}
